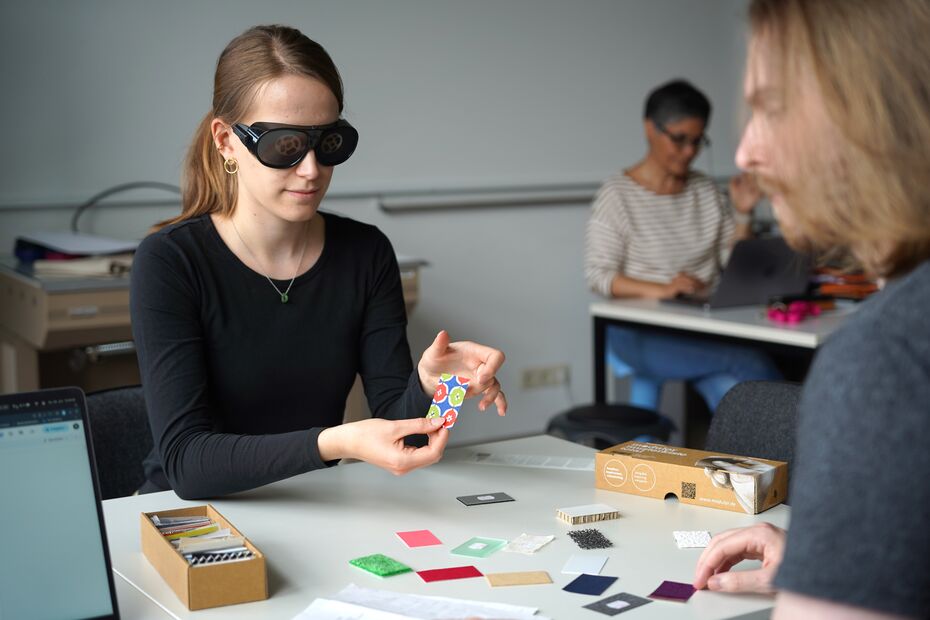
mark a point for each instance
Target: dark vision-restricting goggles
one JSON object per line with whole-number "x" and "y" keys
{"x": 284, "y": 146}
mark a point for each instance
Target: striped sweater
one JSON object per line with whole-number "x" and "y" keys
{"x": 640, "y": 234}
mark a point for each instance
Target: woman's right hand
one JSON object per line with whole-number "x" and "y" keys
{"x": 381, "y": 443}
{"x": 682, "y": 283}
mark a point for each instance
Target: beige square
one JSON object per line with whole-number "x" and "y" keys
{"x": 526, "y": 578}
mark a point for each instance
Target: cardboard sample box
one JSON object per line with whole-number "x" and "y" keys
{"x": 714, "y": 479}
{"x": 212, "y": 585}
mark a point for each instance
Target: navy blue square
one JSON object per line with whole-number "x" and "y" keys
{"x": 590, "y": 584}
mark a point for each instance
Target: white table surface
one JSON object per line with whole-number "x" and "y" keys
{"x": 748, "y": 322}
{"x": 135, "y": 605}
{"x": 310, "y": 526}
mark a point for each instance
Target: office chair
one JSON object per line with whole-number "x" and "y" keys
{"x": 601, "y": 426}
{"x": 757, "y": 418}
{"x": 121, "y": 437}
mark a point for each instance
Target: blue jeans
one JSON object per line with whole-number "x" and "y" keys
{"x": 712, "y": 367}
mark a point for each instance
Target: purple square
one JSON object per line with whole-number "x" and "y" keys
{"x": 673, "y": 591}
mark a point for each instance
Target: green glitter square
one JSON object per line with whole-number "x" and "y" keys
{"x": 380, "y": 565}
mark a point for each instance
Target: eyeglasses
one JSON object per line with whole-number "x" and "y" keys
{"x": 681, "y": 140}
{"x": 284, "y": 146}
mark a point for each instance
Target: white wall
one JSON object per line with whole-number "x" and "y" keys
{"x": 446, "y": 95}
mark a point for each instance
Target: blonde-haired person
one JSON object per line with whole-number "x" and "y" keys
{"x": 253, "y": 311}
{"x": 840, "y": 139}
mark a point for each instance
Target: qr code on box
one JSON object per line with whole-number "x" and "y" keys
{"x": 688, "y": 490}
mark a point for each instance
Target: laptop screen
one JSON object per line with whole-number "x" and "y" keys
{"x": 55, "y": 561}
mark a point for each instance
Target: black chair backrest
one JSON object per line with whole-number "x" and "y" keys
{"x": 119, "y": 428}
{"x": 757, "y": 418}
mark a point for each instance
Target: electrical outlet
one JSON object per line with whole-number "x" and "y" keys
{"x": 545, "y": 376}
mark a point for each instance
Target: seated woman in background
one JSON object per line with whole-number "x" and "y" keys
{"x": 252, "y": 311}
{"x": 658, "y": 229}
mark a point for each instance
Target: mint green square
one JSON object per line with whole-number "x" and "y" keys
{"x": 380, "y": 565}
{"x": 479, "y": 547}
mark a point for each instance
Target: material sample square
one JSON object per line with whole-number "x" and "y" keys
{"x": 584, "y": 564}
{"x": 525, "y": 543}
{"x": 691, "y": 540}
{"x": 380, "y": 565}
{"x": 673, "y": 591}
{"x": 526, "y": 578}
{"x": 588, "y": 513}
{"x": 479, "y": 547}
{"x": 590, "y": 584}
{"x": 618, "y": 603}
{"x": 419, "y": 538}
{"x": 590, "y": 539}
{"x": 484, "y": 498}
{"x": 443, "y": 574}
{"x": 448, "y": 399}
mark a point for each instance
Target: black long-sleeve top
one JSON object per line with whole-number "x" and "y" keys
{"x": 238, "y": 385}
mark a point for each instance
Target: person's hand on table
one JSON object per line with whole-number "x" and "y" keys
{"x": 381, "y": 443}
{"x": 476, "y": 362}
{"x": 683, "y": 283}
{"x": 762, "y": 541}
{"x": 744, "y": 192}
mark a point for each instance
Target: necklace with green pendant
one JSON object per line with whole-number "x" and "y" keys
{"x": 283, "y": 294}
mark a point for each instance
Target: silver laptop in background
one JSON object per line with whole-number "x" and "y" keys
{"x": 758, "y": 270}
{"x": 55, "y": 561}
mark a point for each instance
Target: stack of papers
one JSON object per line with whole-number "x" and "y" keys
{"x": 79, "y": 244}
{"x": 89, "y": 267}
{"x": 202, "y": 541}
{"x": 69, "y": 255}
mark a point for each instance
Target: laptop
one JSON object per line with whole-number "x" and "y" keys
{"x": 758, "y": 270}
{"x": 54, "y": 561}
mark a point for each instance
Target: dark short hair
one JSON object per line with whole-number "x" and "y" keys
{"x": 674, "y": 101}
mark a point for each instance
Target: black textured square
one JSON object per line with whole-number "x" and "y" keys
{"x": 590, "y": 539}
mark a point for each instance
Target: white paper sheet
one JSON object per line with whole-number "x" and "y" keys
{"x": 326, "y": 609}
{"x": 429, "y": 607}
{"x": 584, "y": 564}
{"x": 532, "y": 460}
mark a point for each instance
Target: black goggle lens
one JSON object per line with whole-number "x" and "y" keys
{"x": 281, "y": 147}
{"x": 285, "y": 147}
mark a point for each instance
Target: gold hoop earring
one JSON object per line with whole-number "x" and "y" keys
{"x": 231, "y": 166}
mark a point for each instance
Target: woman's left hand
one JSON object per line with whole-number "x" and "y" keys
{"x": 471, "y": 360}
{"x": 744, "y": 192}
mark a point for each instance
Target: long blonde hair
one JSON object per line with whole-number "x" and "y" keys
{"x": 871, "y": 61}
{"x": 251, "y": 60}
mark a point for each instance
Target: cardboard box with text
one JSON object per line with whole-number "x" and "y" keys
{"x": 714, "y": 479}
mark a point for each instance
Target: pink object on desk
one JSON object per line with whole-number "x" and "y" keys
{"x": 419, "y": 538}
{"x": 793, "y": 313}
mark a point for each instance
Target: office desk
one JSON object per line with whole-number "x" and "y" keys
{"x": 134, "y": 605}
{"x": 310, "y": 526}
{"x": 739, "y": 324}
{"x": 62, "y": 331}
